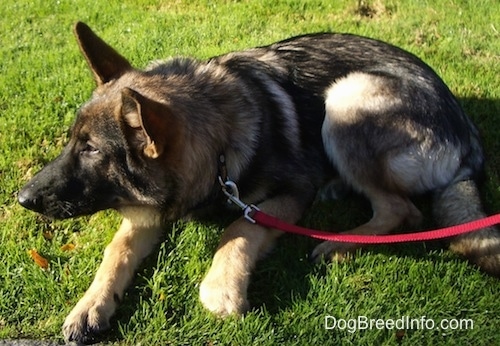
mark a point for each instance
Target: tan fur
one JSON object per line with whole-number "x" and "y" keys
{"x": 460, "y": 203}
{"x": 224, "y": 289}
{"x": 135, "y": 239}
{"x": 358, "y": 92}
{"x": 389, "y": 212}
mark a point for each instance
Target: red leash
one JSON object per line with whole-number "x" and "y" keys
{"x": 272, "y": 222}
{"x": 254, "y": 215}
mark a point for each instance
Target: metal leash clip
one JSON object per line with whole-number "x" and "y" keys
{"x": 230, "y": 190}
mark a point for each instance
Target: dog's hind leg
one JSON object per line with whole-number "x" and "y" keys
{"x": 377, "y": 149}
{"x": 458, "y": 203}
{"x": 139, "y": 233}
{"x": 389, "y": 212}
{"x": 224, "y": 289}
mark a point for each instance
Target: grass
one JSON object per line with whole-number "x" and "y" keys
{"x": 43, "y": 80}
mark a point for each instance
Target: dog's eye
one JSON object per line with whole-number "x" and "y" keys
{"x": 89, "y": 149}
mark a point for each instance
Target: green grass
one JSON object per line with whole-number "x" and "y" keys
{"x": 43, "y": 80}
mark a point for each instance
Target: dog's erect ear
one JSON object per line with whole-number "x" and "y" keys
{"x": 106, "y": 63}
{"x": 151, "y": 124}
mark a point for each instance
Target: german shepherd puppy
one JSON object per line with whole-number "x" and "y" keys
{"x": 289, "y": 118}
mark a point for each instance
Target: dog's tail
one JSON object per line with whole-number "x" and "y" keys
{"x": 459, "y": 202}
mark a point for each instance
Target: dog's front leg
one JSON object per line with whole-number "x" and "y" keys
{"x": 224, "y": 289}
{"x": 137, "y": 236}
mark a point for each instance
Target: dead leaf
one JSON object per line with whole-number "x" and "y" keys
{"x": 68, "y": 247}
{"x": 40, "y": 261}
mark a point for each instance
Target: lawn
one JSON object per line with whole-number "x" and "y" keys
{"x": 44, "y": 79}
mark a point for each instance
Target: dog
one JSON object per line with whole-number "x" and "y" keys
{"x": 289, "y": 119}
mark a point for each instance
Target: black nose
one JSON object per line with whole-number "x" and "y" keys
{"x": 28, "y": 199}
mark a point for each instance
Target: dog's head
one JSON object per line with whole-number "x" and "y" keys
{"x": 123, "y": 144}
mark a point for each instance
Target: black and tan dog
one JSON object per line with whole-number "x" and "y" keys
{"x": 289, "y": 118}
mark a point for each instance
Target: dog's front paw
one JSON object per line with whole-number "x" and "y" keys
{"x": 87, "y": 319}
{"x": 223, "y": 299}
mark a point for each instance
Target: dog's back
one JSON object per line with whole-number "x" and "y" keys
{"x": 392, "y": 130}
